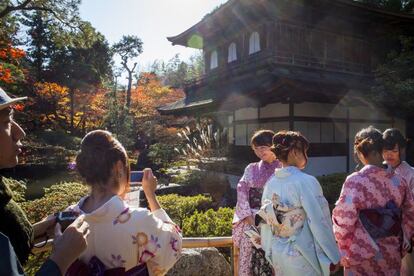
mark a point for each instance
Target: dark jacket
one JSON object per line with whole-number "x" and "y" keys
{"x": 15, "y": 224}
{"x": 10, "y": 265}
{"x": 16, "y": 237}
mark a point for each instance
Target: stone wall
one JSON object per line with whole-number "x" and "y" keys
{"x": 201, "y": 262}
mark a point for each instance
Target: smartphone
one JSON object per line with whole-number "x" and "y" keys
{"x": 136, "y": 177}
{"x": 66, "y": 218}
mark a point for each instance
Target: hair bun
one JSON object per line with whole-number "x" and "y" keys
{"x": 368, "y": 140}
{"x": 284, "y": 141}
{"x": 99, "y": 153}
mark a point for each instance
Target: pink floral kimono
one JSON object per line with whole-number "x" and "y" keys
{"x": 249, "y": 196}
{"x": 369, "y": 243}
{"x": 407, "y": 172}
{"x": 125, "y": 237}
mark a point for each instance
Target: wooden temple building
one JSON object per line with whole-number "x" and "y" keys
{"x": 292, "y": 64}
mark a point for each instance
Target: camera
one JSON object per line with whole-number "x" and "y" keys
{"x": 66, "y": 218}
{"x": 136, "y": 177}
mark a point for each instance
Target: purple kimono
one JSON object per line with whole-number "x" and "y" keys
{"x": 249, "y": 195}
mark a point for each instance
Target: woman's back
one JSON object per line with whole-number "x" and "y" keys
{"x": 124, "y": 237}
{"x": 120, "y": 236}
{"x": 302, "y": 240}
{"x": 371, "y": 188}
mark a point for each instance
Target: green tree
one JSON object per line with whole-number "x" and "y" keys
{"x": 176, "y": 73}
{"x": 128, "y": 48}
{"x": 391, "y": 5}
{"x": 66, "y": 11}
{"x": 81, "y": 66}
{"x": 39, "y": 45}
{"x": 394, "y": 88}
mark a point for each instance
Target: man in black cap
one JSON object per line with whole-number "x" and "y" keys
{"x": 16, "y": 232}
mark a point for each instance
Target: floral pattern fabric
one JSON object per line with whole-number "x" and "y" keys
{"x": 123, "y": 236}
{"x": 407, "y": 172}
{"x": 371, "y": 187}
{"x": 249, "y": 186}
{"x": 311, "y": 248}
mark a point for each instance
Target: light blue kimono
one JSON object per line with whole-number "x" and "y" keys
{"x": 313, "y": 248}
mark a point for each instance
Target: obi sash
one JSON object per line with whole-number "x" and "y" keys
{"x": 285, "y": 221}
{"x": 382, "y": 222}
{"x": 255, "y": 197}
{"x": 96, "y": 268}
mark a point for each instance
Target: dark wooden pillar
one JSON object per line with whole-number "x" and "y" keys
{"x": 347, "y": 140}
{"x": 291, "y": 114}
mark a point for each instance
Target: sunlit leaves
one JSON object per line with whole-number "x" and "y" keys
{"x": 10, "y": 69}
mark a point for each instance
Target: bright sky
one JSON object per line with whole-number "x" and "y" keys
{"x": 150, "y": 20}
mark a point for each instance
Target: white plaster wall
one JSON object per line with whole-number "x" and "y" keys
{"x": 326, "y": 165}
{"x": 400, "y": 124}
{"x": 230, "y": 119}
{"x": 246, "y": 114}
{"x": 230, "y": 135}
{"x": 274, "y": 110}
{"x": 240, "y": 134}
{"x": 251, "y": 129}
{"x": 308, "y": 109}
{"x": 367, "y": 113}
{"x": 275, "y": 126}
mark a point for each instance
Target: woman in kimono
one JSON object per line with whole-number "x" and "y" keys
{"x": 297, "y": 235}
{"x": 249, "y": 195}
{"x": 373, "y": 212}
{"x": 394, "y": 148}
{"x": 123, "y": 239}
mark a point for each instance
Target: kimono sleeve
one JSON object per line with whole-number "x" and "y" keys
{"x": 265, "y": 229}
{"x": 162, "y": 246}
{"x": 243, "y": 207}
{"x": 319, "y": 219}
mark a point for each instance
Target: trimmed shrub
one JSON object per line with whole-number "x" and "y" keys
{"x": 18, "y": 188}
{"x": 58, "y": 138}
{"x": 57, "y": 198}
{"x": 209, "y": 224}
{"x": 331, "y": 186}
{"x": 181, "y": 207}
{"x": 162, "y": 154}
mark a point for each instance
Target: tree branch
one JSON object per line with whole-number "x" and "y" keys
{"x": 10, "y": 9}
{"x": 133, "y": 67}
{"x": 23, "y": 7}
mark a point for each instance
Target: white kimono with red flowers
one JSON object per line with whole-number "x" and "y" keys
{"x": 123, "y": 236}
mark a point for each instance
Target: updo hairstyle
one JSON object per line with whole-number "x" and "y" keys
{"x": 285, "y": 141}
{"x": 262, "y": 138}
{"x": 100, "y": 151}
{"x": 368, "y": 140}
{"x": 392, "y": 137}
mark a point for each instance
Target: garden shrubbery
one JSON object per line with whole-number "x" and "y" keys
{"x": 331, "y": 186}
{"x": 57, "y": 198}
{"x": 58, "y": 137}
{"x": 209, "y": 224}
{"x": 181, "y": 207}
{"x": 18, "y": 188}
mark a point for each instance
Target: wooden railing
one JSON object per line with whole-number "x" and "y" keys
{"x": 187, "y": 243}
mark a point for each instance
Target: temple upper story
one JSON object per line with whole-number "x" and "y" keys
{"x": 340, "y": 36}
